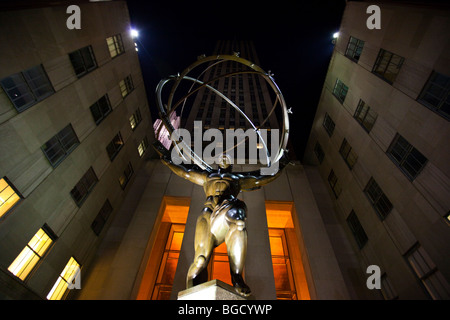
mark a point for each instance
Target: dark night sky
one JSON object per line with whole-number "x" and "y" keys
{"x": 292, "y": 39}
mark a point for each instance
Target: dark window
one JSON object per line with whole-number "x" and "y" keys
{"x": 328, "y": 124}
{"x": 387, "y": 65}
{"x": 408, "y": 158}
{"x": 81, "y": 190}
{"x": 28, "y": 87}
{"x": 334, "y": 184}
{"x": 60, "y": 145}
{"x": 101, "y": 218}
{"x": 436, "y": 94}
{"x": 348, "y": 154}
{"x": 378, "y": 199}
{"x": 354, "y": 48}
{"x": 319, "y": 152}
{"x": 83, "y": 61}
{"x": 101, "y": 109}
{"x": 126, "y": 176}
{"x": 340, "y": 90}
{"x": 365, "y": 116}
{"x": 114, "y": 146}
{"x": 357, "y": 229}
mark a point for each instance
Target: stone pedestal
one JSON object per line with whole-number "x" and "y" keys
{"x": 211, "y": 290}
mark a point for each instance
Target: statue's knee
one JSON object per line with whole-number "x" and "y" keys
{"x": 200, "y": 261}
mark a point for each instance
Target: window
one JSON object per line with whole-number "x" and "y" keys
{"x": 101, "y": 218}
{"x": 328, "y": 124}
{"x": 432, "y": 279}
{"x": 387, "y": 289}
{"x": 354, "y": 48}
{"x": 340, "y": 90}
{"x": 365, "y": 115}
{"x": 100, "y": 109}
{"x": 83, "y": 61}
{"x": 387, "y": 65}
{"x": 9, "y": 197}
{"x": 126, "y": 86}
{"x": 135, "y": 119}
{"x": 127, "y": 173}
{"x": 28, "y": 258}
{"x": 406, "y": 157}
{"x": 28, "y": 87}
{"x": 357, "y": 229}
{"x": 65, "y": 280}
{"x": 378, "y": 199}
{"x": 84, "y": 187}
{"x": 436, "y": 94}
{"x": 143, "y": 146}
{"x": 114, "y": 146}
{"x": 115, "y": 45}
{"x": 319, "y": 152}
{"x": 335, "y": 186}
{"x": 60, "y": 145}
{"x": 348, "y": 154}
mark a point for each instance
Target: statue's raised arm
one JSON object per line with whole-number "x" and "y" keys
{"x": 190, "y": 173}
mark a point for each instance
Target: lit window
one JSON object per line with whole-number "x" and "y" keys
{"x": 101, "y": 109}
{"x": 126, "y": 86}
{"x": 115, "y": 45}
{"x": 65, "y": 279}
{"x": 8, "y": 196}
{"x": 143, "y": 146}
{"x": 126, "y": 176}
{"x": 60, "y": 145}
{"x": 408, "y": 158}
{"x": 114, "y": 146}
{"x": 328, "y": 124}
{"x": 387, "y": 65}
{"x": 84, "y": 187}
{"x": 378, "y": 199}
{"x": 365, "y": 116}
{"x": 32, "y": 253}
{"x": 354, "y": 48}
{"x": 28, "y": 87}
{"x": 348, "y": 154}
{"x": 135, "y": 119}
{"x": 83, "y": 61}
{"x": 340, "y": 90}
{"x": 436, "y": 94}
{"x": 357, "y": 229}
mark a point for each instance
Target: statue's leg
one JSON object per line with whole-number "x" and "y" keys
{"x": 236, "y": 241}
{"x": 203, "y": 244}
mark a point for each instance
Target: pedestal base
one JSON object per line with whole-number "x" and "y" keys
{"x": 211, "y": 290}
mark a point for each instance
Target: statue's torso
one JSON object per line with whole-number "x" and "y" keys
{"x": 220, "y": 186}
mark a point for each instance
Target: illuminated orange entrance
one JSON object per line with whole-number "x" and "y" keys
{"x": 289, "y": 275}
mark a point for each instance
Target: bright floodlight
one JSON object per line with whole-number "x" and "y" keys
{"x": 335, "y": 35}
{"x": 134, "y": 33}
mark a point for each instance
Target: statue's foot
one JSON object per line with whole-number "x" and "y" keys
{"x": 240, "y": 286}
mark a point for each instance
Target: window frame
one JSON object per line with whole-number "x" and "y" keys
{"x": 102, "y": 217}
{"x": 318, "y": 151}
{"x": 16, "y": 192}
{"x": 98, "y": 106}
{"x": 376, "y": 196}
{"x": 29, "y": 86}
{"x": 80, "y": 52}
{"x": 409, "y": 151}
{"x": 378, "y": 63}
{"x": 357, "y": 229}
{"x": 339, "y": 88}
{"x": 67, "y": 150}
{"x": 84, "y": 187}
{"x": 357, "y": 45}
{"x": 328, "y": 124}
{"x": 445, "y": 92}
{"x": 118, "y": 45}
{"x": 347, "y": 152}
{"x": 126, "y": 86}
{"x": 127, "y": 174}
{"x": 117, "y": 143}
{"x": 333, "y": 181}
{"x": 367, "y": 110}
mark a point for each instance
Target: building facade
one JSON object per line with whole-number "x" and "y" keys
{"x": 380, "y": 141}
{"x": 75, "y": 126}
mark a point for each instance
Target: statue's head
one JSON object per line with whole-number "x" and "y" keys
{"x": 225, "y": 162}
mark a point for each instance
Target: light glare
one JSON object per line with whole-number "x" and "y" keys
{"x": 134, "y": 33}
